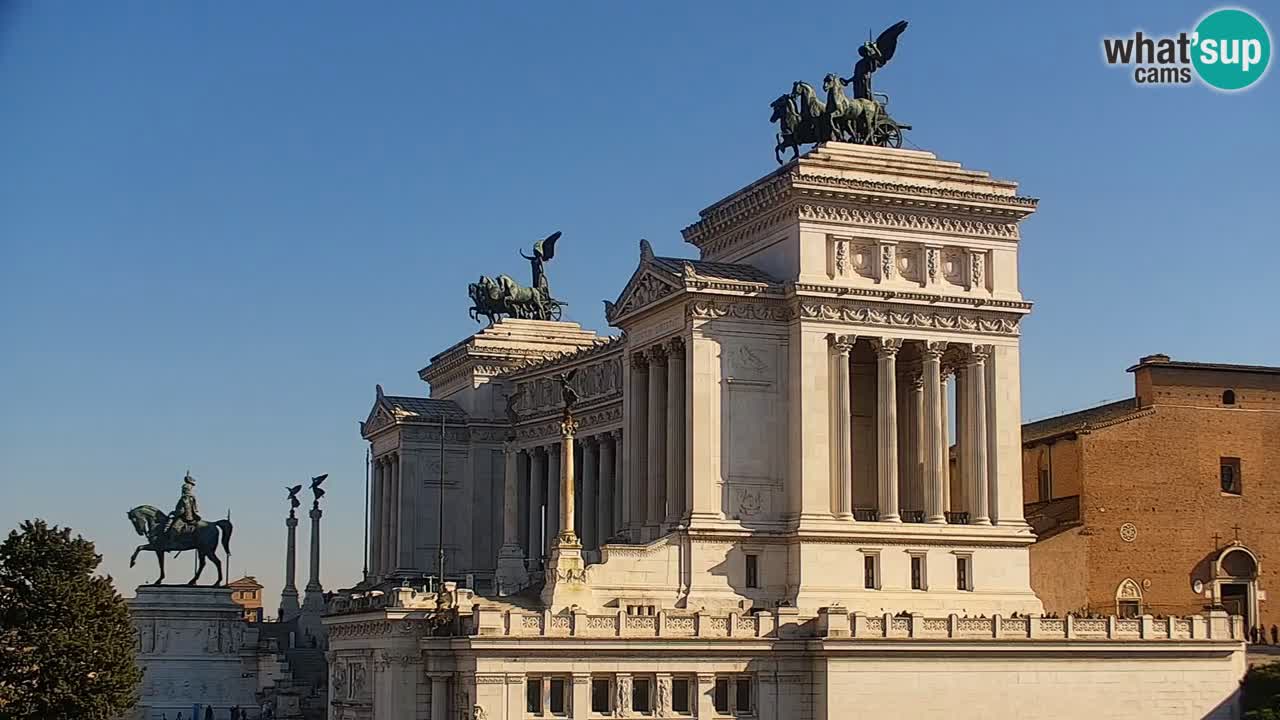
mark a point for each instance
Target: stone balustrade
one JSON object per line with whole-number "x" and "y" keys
{"x": 838, "y": 623}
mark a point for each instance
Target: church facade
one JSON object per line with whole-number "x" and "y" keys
{"x": 1161, "y": 503}
{"x": 750, "y": 510}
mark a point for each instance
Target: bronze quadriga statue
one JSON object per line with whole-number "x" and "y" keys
{"x": 502, "y": 295}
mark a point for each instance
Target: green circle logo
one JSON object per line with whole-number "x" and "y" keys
{"x": 1232, "y": 49}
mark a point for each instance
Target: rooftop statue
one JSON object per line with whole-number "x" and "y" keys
{"x": 502, "y": 295}
{"x": 804, "y": 119}
{"x": 316, "y": 490}
{"x": 183, "y": 529}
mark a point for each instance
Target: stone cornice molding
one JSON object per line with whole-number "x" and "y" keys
{"x": 590, "y": 422}
{"x": 911, "y": 295}
{"x": 737, "y": 309}
{"x": 559, "y": 362}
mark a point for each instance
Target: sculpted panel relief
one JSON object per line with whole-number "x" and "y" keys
{"x": 594, "y": 380}
{"x": 754, "y": 442}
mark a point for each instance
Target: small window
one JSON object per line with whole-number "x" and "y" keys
{"x": 720, "y": 698}
{"x": 753, "y": 571}
{"x": 1230, "y": 476}
{"x": 559, "y": 706}
{"x": 964, "y": 569}
{"x": 917, "y": 572}
{"x": 1228, "y": 397}
{"x": 680, "y": 691}
{"x": 1128, "y": 608}
{"x": 742, "y": 698}
{"x": 533, "y": 696}
{"x": 870, "y": 574}
{"x": 600, "y": 695}
{"x": 641, "y": 692}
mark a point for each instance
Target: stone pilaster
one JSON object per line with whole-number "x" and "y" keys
{"x": 842, "y": 432}
{"x": 537, "y": 484}
{"x": 590, "y": 491}
{"x": 656, "y": 486}
{"x": 633, "y": 508}
{"x": 386, "y": 545}
{"x": 977, "y": 418}
{"x": 397, "y": 513}
{"x": 675, "y": 469}
{"x": 555, "y": 487}
{"x": 619, "y": 474}
{"x": 946, "y": 440}
{"x": 887, "y": 427}
{"x": 606, "y": 448}
{"x": 510, "y": 571}
{"x": 935, "y": 435}
{"x": 375, "y": 520}
{"x": 289, "y": 607}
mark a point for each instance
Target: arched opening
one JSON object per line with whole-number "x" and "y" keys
{"x": 1235, "y": 582}
{"x": 1228, "y": 397}
{"x": 1128, "y": 599}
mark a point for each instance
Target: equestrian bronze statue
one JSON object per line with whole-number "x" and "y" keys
{"x": 805, "y": 119}
{"x": 495, "y": 297}
{"x": 183, "y": 529}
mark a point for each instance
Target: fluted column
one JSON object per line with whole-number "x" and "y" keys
{"x": 633, "y": 508}
{"x": 842, "y": 433}
{"x": 388, "y": 517}
{"x": 976, "y": 416}
{"x": 555, "y": 482}
{"x": 675, "y": 433}
{"x": 510, "y": 495}
{"x": 911, "y": 455}
{"x": 605, "y": 488}
{"x": 375, "y": 522}
{"x": 537, "y": 484}
{"x": 398, "y": 510}
{"x": 993, "y": 441}
{"x": 567, "y": 477}
{"x": 935, "y": 435}
{"x": 946, "y": 440}
{"x": 887, "y": 426}
{"x": 590, "y": 492}
{"x": 523, "y": 467}
{"x": 619, "y": 490}
{"x": 656, "y": 488}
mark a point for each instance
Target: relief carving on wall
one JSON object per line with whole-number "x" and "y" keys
{"x": 886, "y": 262}
{"x": 646, "y": 290}
{"x": 712, "y": 310}
{"x": 747, "y": 363}
{"x": 909, "y": 262}
{"x": 750, "y": 502}
{"x": 976, "y": 269}
{"x": 935, "y": 319}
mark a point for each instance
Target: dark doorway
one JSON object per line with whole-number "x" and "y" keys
{"x": 1235, "y": 600}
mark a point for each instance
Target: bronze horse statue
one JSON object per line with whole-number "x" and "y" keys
{"x": 792, "y": 131}
{"x": 153, "y": 524}
{"x": 854, "y": 120}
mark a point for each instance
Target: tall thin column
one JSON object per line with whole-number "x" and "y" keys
{"x": 289, "y": 596}
{"x": 633, "y": 508}
{"x": 946, "y": 441}
{"x": 961, "y": 478}
{"x": 993, "y": 440}
{"x": 509, "y": 572}
{"x": 619, "y": 490}
{"x": 567, "y": 509}
{"x": 313, "y": 577}
{"x": 555, "y": 482}
{"x": 388, "y": 517}
{"x": 398, "y": 513}
{"x": 977, "y": 417}
{"x": 842, "y": 440}
{"x": 537, "y": 483}
{"x": 675, "y": 433}
{"x": 887, "y": 427}
{"x": 935, "y": 436}
{"x": 604, "y": 498}
{"x": 910, "y": 397}
{"x": 590, "y": 491}
{"x": 656, "y": 488}
{"x": 522, "y": 500}
{"x": 375, "y": 522}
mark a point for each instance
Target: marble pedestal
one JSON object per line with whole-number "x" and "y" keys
{"x": 189, "y": 643}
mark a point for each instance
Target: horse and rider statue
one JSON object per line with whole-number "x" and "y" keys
{"x": 803, "y": 118}
{"x": 181, "y": 530}
{"x": 495, "y": 297}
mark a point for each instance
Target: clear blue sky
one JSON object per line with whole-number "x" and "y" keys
{"x": 221, "y": 224}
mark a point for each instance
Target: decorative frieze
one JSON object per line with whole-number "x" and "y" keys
{"x": 742, "y": 310}
{"x": 909, "y": 318}
{"x": 908, "y": 221}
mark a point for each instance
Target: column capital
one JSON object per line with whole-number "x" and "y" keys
{"x": 656, "y": 353}
{"x": 675, "y": 347}
{"x": 587, "y": 441}
{"x": 886, "y": 347}
{"x": 979, "y": 353}
{"x": 639, "y": 363}
{"x": 615, "y": 434}
{"x": 933, "y": 349}
{"x": 842, "y": 344}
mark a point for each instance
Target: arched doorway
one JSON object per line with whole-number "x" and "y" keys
{"x": 1128, "y": 599}
{"x": 1235, "y": 582}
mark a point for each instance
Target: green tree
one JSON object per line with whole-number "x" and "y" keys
{"x": 1262, "y": 692}
{"x": 66, "y": 642}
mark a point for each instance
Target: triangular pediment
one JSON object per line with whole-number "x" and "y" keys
{"x": 380, "y": 415}
{"x": 648, "y": 284}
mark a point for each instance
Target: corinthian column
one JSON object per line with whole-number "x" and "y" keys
{"x": 656, "y": 487}
{"x": 841, "y": 400}
{"x": 375, "y": 522}
{"x": 633, "y": 509}
{"x": 977, "y": 435}
{"x": 567, "y": 537}
{"x": 887, "y": 426}
{"x": 590, "y": 491}
{"x": 510, "y": 569}
{"x": 555, "y": 486}
{"x": 675, "y": 433}
{"x": 537, "y": 483}
{"x": 935, "y": 434}
{"x": 605, "y": 489}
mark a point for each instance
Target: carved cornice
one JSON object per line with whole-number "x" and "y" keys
{"x": 845, "y": 291}
{"x": 558, "y": 362}
{"x": 878, "y": 186}
{"x": 908, "y": 221}
{"x": 708, "y": 309}
{"x": 909, "y": 317}
{"x": 587, "y": 422}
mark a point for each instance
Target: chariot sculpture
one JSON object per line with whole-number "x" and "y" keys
{"x": 804, "y": 118}
{"x": 494, "y": 297}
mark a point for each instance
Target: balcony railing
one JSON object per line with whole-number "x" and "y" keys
{"x": 913, "y": 516}
{"x": 957, "y": 518}
{"x": 866, "y": 514}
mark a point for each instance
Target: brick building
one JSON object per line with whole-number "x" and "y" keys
{"x": 1164, "y": 503}
{"x": 247, "y": 593}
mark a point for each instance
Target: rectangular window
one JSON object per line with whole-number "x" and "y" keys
{"x": 600, "y": 695}
{"x": 870, "y": 574}
{"x": 720, "y": 698}
{"x": 1128, "y": 608}
{"x": 1230, "y": 476}
{"x": 558, "y": 703}
{"x": 680, "y": 695}
{"x": 533, "y": 696}
{"x": 917, "y": 572}
{"x": 753, "y": 571}
{"x": 742, "y": 698}
{"x": 641, "y": 692}
{"x": 964, "y": 572}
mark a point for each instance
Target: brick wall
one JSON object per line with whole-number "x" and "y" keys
{"x": 1059, "y": 571}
